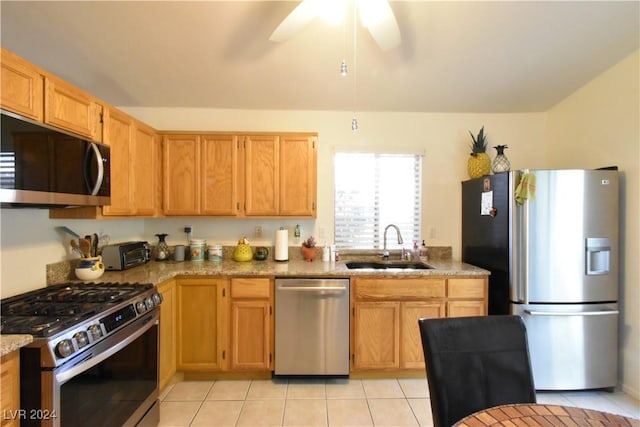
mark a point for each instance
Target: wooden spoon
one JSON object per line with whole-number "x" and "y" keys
{"x": 85, "y": 248}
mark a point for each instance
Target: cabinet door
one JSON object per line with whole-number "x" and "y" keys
{"x": 467, "y": 297}
{"x": 22, "y": 87}
{"x": 70, "y": 108}
{"x": 181, "y": 188}
{"x": 144, "y": 172}
{"x": 219, "y": 164}
{"x": 250, "y": 335}
{"x": 200, "y": 324}
{"x": 298, "y": 176}
{"x": 167, "y": 332}
{"x": 262, "y": 175}
{"x": 10, "y": 389}
{"x": 119, "y": 136}
{"x": 465, "y": 308}
{"x": 376, "y": 335}
{"x": 411, "y": 353}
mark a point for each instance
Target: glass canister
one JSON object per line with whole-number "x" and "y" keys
{"x": 197, "y": 247}
{"x": 214, "y": 252}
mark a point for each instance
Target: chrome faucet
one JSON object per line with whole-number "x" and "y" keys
{"x": 385, "y": 252}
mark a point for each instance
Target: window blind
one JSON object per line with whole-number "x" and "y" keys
{"x": 373, "y": 190}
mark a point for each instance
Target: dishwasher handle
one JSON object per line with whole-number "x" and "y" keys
{"x": 294, "y": 288}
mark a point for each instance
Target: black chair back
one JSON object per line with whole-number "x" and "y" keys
{"x": 474, "y": 363}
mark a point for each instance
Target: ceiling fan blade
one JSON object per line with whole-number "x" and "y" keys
{"x": 299, "y": 18}
{"x": 381, "y": 23}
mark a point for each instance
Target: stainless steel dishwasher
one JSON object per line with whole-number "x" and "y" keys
{"x": 312, "y": 327}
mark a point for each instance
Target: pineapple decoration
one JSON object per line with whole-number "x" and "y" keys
{"x": 479, "y": 163}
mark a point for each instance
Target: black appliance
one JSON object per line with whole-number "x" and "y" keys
{"x": 94, "y": 358}
{"x": 42, "y": 165}
{"x": 121, "y": 256}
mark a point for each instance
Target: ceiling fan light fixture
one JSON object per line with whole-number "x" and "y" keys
{"x": 376, "y": 15}
{"x": 372, "y": 12}
{"x": 332, "y": 12}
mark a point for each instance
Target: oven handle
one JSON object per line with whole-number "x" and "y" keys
{"x": 93, "y": 361}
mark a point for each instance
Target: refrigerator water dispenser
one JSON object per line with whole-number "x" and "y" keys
{"x": 598, "y": 254}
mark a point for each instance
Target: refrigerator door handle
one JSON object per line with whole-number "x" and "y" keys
{"x": 577, "y": 313}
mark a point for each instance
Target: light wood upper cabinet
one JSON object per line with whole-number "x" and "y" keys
{"x": 167, "y": 356}
{"x": 298, "y": 171}
{"x": 219, "y": 190}
{"x": 201, "y": 317}
{"x": 262, "y": 168}
{"x": 145, "y": 169}
{"x": 181, "y": 170}
{"x": 119, "y": 136}
{"x": 22, "y": 87}
{"x": 69, "y": 108}
{"x": 280, "y": 175}
{"x": 225, "y": 174}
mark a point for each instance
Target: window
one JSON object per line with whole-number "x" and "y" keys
{"x": 373, "y": 190}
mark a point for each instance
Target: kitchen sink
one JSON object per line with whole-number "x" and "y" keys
{"x": 387, "y": 265}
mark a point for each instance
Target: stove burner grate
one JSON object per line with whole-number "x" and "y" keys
{"x": 44, "y": 312}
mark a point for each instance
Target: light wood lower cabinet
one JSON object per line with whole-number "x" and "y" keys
{"x": 251, "y": 324}
{"x": 167, "y": 357}
{"x": 467, "y": 297}
{"x": 385, "y": 313}
{"x": 10, "y": 389}
{"x": 200, "y": 323}
{"x": 376, "y": 335}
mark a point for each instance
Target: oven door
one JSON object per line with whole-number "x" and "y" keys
{"x": 115, "y": 385}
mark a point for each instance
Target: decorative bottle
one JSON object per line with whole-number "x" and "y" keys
{"x": 500, "y": 163}
{"x": 162, "y": 250}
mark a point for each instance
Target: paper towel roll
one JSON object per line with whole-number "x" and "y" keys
{"x": 282, "y": 245}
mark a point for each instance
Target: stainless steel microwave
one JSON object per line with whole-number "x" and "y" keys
{"x": 41, "y": 165}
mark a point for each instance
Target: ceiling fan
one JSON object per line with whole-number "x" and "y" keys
{"x": 375, "y": 15}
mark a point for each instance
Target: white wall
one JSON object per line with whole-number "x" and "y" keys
{"x": 29, "y": 241}
{"x": 599, "y": 125}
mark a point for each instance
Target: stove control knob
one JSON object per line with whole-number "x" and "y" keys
{"x": 82, "y": 339}
{"x": 157, "y": 299}
{"x": 141, "y": 307}
{"x": 65, "y": 348}
{"x": 149, "y": 303}
{"x": 95, "y": 332}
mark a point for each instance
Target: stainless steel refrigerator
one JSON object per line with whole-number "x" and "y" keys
{"x": 553, "y": 257}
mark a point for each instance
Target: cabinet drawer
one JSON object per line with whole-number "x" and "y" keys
{"x": 466, "y": 288}
{"x": 250, "y": 288}
{"x": 399, "y": 288}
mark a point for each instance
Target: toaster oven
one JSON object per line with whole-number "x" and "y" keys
{"x": 121, "y": 256}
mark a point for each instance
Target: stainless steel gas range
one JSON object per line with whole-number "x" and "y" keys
{"x": 94, "y": 358}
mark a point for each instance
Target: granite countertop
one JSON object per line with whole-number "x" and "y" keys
{"x": 9, "y": 343}
{"x": 158, "y": 272}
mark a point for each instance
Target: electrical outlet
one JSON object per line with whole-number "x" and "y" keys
{"x": 188, "y": 229}
{"x": 257, "y": 231}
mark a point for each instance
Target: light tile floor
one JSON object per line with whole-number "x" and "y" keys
{"x": 332, "y": 402}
